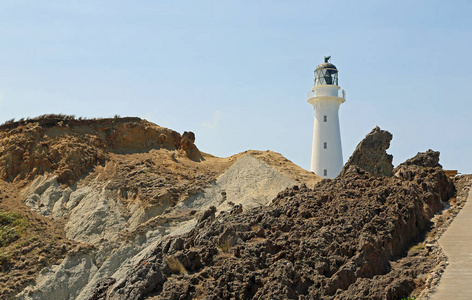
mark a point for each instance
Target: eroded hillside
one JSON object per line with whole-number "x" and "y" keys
{"x": 104, "y": 191}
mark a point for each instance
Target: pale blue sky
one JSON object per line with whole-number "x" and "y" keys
{"x": 237, "y": 72}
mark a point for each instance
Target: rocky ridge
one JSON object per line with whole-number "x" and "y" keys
{"x": 371, "y": 156}
{"x": 70, "y": 148}
{"x": 342, "y": 239}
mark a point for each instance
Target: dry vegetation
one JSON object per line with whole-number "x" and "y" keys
{"x": 49, "y": 117}
{"x": 28, "y": 242}
{"x": 175, "y": 265}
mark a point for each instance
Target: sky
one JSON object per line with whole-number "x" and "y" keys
{"x": 237, "y": 73}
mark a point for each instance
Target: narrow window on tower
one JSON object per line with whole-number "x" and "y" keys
{"x": 325, "y": 172}
{"x": 325, "y": 118}
{"x": 325, "y": 145}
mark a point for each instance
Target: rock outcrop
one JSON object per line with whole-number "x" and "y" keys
{"x": 333, "y": 241}
{"x": 428, "y": 159}
{"x": 187, "y": 144}
{"x": 424, "y": 168}
{"x": 370, "y": 155}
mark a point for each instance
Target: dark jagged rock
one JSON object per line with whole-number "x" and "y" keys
{"x": 428, "y": 159}
{"x": 99, "y": 292}
{"x": 424, "y": 168}
{"x": 371, "y": 156}
{"x": 331, "y": 242}
{"x": 437, "y": 187}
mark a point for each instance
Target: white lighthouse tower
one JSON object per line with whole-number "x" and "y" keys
{"x": 327, "y": 153}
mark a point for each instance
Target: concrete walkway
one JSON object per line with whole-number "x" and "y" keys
{"x": 456, "y": 281}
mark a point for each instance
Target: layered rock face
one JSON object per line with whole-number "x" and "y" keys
{"x": 70, "y": 148}
{"x": 370, "y": 155}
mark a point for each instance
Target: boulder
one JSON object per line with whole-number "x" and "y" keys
{"x": 187, "y": 144}
{"x": 188, "y": 140}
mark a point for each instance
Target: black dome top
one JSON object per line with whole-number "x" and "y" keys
{"x": 326, "y": 65}
{"x": 326, "y": 73}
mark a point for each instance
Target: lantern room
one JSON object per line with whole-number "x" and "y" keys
{"x": 326, "y": 73}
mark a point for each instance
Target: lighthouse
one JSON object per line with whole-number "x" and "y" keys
{"x": 327, "y": 154}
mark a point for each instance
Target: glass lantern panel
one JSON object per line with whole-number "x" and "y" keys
{"x": 327, "y": 77}
{"x": 319, "y": 80}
